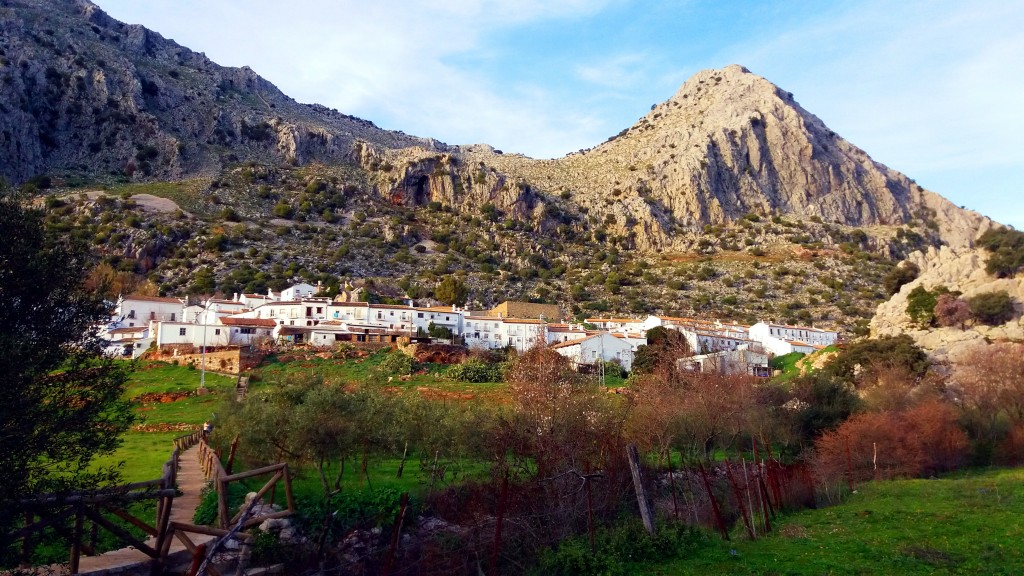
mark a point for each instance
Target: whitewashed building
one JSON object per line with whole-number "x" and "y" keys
{"x": 248, "y": 331}
{"x": 137, "y": 310}
{"x": 127, "y": 341}
{"x": 298, "y": 292}
{"x": 196, "y": 335}
{"x": 599, "y": 347}
{"x": 780, "y": 339}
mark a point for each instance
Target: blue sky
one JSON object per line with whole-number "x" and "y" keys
{"x": 934, "y": 89}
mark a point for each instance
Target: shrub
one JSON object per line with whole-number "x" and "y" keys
{"x": 283, "y": 210}
{"x": 895, "y": 351}
{"x": 900, "y": 275}
{"x": 396, "y": 364}
{"x": 620, "y": 549}
{"x": 476, "y": 371}
{"x": 992, "y": 308}
{"x": 921, "y": 306}
{"x": 952, "y": 311}
{"x": 921, "y": 441}
{"x": 258, "y": 131}
{"x": 1006, "y": 251}
{"x": 229, "y": 214}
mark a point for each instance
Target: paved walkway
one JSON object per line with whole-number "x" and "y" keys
{"x": 191, "y": 483}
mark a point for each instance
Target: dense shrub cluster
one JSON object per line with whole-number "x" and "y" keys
{"x": 475, "y": 370}
{"x": 1006, "y": 251}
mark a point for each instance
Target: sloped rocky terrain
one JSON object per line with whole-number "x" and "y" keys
{"x": 728, "y": 198}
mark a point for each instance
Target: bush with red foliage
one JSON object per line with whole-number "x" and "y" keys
{"x": 916, "y": 442}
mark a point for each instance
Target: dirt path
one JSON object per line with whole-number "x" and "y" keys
{"x": 190, "y": 482}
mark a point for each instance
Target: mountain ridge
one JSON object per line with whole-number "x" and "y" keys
{"x": 104, "y": 97}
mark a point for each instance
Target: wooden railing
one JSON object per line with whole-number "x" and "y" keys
{"x": 54, "y": 510}
{"x": 57, "y": 511}
{"x": 231, "y": 527}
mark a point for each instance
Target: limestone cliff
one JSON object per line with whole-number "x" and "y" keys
{"x": 959, "y": 269}
{"x": 82, "y": 94}
{"x": 730, "y": 143}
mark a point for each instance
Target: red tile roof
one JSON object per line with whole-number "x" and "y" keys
{"x": 140, "y": 298}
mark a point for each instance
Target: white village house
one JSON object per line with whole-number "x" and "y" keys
{"x": 141, "y": 310}
{"x": 780, "y": 339}
{"x": 597, "y": 348}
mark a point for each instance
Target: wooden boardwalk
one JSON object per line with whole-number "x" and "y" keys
{"x": 130, "y": 560}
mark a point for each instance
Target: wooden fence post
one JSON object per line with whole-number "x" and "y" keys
{"x": 719, "y": 521}
{"x": 76, "y": 539}
{"x": 646, "y": 513}
{"x": 396, "y": 534}
{"x": 502, "y": 502}
{"x": 739, "y": 499}
{"x": 231, "y": 455}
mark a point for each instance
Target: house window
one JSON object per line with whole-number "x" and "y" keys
{"x": 131, "y": 314}
{"x": 181, "y": 331}
{"x": 172, "y": 317}
{"x": 216, "y": 332}
{"x": 248, "y": 331}
{"x": 419, "y": 315}
{"x": 309, "y": 310}
{"x": 319, "y": 310}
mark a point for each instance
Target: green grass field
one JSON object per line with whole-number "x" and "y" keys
{"x": 428, "y": 376}
{"x": 967, "y": 523}
{"x": 144, "y": 452}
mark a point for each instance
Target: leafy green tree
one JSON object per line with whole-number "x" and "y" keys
{"x": 894, "y": 351}
{"x": 61, "y": 402}
{"x": 900, "y": 275}
{"x": 203, "y": 282}
{"x": 664, "y": 346}
{"x": 992, "y": 308}
{"x": 442, "y": 332}
{"x": 824, "y": 402}
{"x": 451, "y": 290}
{"x": 1006, "y": 251}
{"x": 921, "y": 306}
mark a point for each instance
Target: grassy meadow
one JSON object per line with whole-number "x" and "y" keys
{"x": 971, "y": 522}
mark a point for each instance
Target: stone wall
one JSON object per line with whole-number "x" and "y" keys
{"x": 226, "y": 360}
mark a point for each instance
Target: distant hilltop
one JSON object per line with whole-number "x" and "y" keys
{"x": 85, "y": 95}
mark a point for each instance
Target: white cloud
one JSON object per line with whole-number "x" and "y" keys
{"x": 617, "y": 72}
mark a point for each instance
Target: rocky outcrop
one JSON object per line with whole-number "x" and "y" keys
{"x": 959, "y": 269}
{"x": 727, "y": 144}
{"x": 81, "y": 93}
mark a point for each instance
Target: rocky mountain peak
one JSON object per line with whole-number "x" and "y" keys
{"x": 84, "y": 94}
